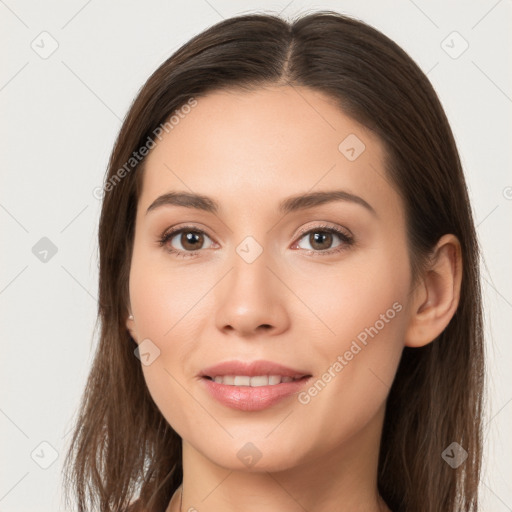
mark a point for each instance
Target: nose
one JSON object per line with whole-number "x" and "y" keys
{"x": 251, "y": 299}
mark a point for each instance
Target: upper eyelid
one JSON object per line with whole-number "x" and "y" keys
{"x": 322, "y": 225}
{"x": 327, "y": 226}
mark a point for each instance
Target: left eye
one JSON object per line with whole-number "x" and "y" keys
{"x": 319, "y": 238}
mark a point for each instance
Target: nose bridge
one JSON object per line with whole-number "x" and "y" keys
{"x": 250, "y": 263}
{"x": 250, "y": 297}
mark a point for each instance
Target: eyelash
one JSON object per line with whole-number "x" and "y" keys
{"x": 346, "y": 239}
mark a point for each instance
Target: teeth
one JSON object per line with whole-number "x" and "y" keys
{"x": 255, "y": 381}
{"x": 244, "y": 380}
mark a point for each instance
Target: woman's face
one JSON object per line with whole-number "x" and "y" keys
{"x": 265, "y": 278}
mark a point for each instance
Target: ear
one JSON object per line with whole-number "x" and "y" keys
{"x": 437, "y": 296}
{"x": 130, "y": 325}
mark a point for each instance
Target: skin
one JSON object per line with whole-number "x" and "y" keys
{"x": 248, "y": 151}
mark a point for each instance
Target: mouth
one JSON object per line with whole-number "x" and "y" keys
{"x": 257, "y": 370}
{"x": 252, "y": 386}
{"x": 254, "y": 382}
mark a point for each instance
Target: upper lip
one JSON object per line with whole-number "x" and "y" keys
{"x": 251, "y": 369}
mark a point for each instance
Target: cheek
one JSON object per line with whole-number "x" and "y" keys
{"x": 368, "y": 314}
{"x": 163, "y": 295}
{"x": 166, "y": 303}
{"x": 368, "y": 291}
{"x": 352, "y": 385}
{"x": 365, "y": 310}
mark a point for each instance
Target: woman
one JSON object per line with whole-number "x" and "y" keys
{"x": 289, "y": 285}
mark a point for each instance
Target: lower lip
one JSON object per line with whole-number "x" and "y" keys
{"x": 247, "y": 398}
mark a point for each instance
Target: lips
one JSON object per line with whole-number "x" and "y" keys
{"x": 252, "y": 369}
{"x": 252, "y": 386}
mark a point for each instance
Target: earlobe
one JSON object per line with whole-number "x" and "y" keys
{"x": 130, "y": 326}
{"x": 438, "y": 296}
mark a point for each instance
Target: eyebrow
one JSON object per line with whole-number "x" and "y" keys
{"x": 288, "y": 205}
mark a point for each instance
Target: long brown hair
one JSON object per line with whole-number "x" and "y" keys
{"x": 122, "y": 448}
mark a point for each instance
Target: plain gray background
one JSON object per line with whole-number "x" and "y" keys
{"x": 61, "y": 112}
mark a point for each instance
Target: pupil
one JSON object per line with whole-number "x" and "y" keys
{"x": 318, "y": 238}
{"x": 190, "y": 237}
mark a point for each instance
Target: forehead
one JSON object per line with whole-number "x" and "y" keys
{"x": 255, "y": 148}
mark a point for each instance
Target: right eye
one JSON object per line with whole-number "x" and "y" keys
{"x": 190, "y": 238}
